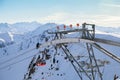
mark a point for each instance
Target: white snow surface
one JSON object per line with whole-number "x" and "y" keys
{"x": 25, "y": 39}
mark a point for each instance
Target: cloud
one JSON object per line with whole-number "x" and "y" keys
{"x": 73, "y": 18}
{"x": 106, "y": 20}
{"x": 56, "y": 17}
{"x": 111, "y": 5}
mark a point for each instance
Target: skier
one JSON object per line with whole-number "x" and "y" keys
{"x": 46, "y": 39}
{"x": 37, "y": 45}
{"x": 116, "y": 77}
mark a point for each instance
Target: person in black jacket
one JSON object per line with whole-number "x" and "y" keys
{"x": 115, "y": 77}
{"x": 37, "y": 45}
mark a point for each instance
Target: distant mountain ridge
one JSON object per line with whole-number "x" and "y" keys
{"x": 24, "y": 27}
{"x": 20, "y": 27}
{"x": 24, "y": 30}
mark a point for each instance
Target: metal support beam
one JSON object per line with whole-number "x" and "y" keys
{"x": 68, "y": 31}
{"x": 67, "y": 52}
{"x": 76, "y": 40}
{"x": 88, "y": 34}
{"x": 93, "y": 61}
{"x": 111, "y": 55}
{"x": 109, "y": 42}
{"x": 70, "y": 59}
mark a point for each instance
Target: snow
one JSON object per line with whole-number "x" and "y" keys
{"x": 4, "y": 27}
{"x": 19, "y": 28}
{"x": 23, "y": 27}
{"x": 26, "y": 35}
{"x": 7, "y": 38}
{"x": 2, "y": 43}
{"x": 2, "y": 40}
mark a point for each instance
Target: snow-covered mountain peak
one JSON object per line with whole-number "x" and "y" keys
{"x": 19, "y": 28}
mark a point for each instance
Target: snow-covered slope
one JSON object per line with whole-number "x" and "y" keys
{"x": 7, "y": 38}
{"x": 4, "y": 27}
{"x": 115, "y": 30}
{"x": 23, "y": 27}
{"x": 15, "y": 32}
{"x": 24, "y": 49}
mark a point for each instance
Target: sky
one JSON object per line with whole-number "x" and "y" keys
{"x": 99, "y": 12}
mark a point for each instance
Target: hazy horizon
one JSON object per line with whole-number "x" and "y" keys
{"x": 99, "y": 12}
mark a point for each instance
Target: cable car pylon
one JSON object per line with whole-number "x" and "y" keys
{"x": 91, "y": 70}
